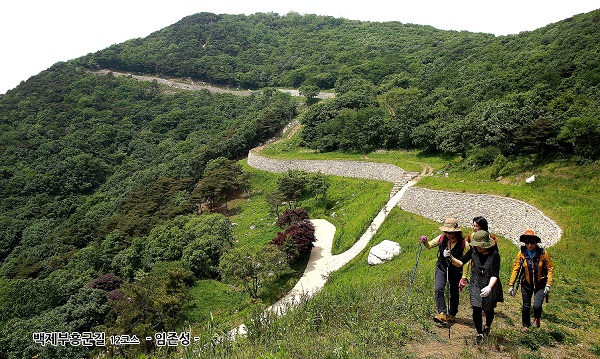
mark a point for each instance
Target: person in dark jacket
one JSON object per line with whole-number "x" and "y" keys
{"x": 537, "y": 273}
{"x": 451, "y": 239}
{"x": 485, "y": 287}
{"x": 479, "y": 223}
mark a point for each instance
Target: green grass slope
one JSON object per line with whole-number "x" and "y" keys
{"x": 363, "y": 311}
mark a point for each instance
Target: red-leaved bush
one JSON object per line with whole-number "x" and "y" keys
{"x": 297, "y": 239}
{"x": 107, "y": 282}
{"x": 291, "y": 216}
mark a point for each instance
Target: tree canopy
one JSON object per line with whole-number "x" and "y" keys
{"x": 101, "y": 175}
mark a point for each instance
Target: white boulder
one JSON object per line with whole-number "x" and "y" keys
{"x": 383, "y": 252}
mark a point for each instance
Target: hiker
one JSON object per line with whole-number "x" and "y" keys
{"x": 479, "y": 223}
{"x": 534, "y": 271}
{"x": 451, "y": 238}
{"x": 485, "y": 288}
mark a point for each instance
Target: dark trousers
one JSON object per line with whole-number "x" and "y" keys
{"x": 538, "y": 300}
{"x": 440, "y": 285}
{"x": 478, "y": 318}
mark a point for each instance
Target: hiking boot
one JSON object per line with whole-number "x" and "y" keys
{"x": 451, "y": 318}
{"x": 478, "y": 339}
{"x": 524, "y": 330}
{"x": 536, "y": 322}
{"x": 441, "y": 318}
{"x": 486, "y": 331}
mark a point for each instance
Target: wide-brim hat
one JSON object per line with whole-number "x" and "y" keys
{"x": 528, "y": 236}
{"x": 450, "y": 225}
{"x": 481, "y": 239}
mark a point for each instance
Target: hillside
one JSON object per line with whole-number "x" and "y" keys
{"x": 103, "y": 177}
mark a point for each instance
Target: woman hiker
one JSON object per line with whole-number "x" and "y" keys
{"x": 485, "y": 288}
{"x": 479, "y": 223}
{"x": 536, "y": 271}
{"x": 451, "y": 239}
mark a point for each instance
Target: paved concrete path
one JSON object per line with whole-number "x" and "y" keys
{"x": 321, "y": 262}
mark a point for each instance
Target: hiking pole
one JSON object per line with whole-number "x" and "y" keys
{"x": 449, "y": 289}
{"x": 412, "y": 278}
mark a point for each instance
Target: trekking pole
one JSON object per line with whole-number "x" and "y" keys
{"x": 449, "y": 289}
{"x": 412, "y": 278}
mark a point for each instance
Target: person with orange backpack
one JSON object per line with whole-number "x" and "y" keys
{"x": 534, "y": 271}
{"x": 451, "y": 239}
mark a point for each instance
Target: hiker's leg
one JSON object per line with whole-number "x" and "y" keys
{"x": 478, "y": 320}
{"x": 440, "y": 286}
{"x": 526, "y": 309}
{"x": 454, "y": 292}
{"x": 538, "y": 300}
{"x": 489, "y": 317}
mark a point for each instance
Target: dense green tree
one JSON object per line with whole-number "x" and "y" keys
{"x": 582, "y": 133}
{"x": 151, "y": 303}
{"x": 253, "y": 267}
{"x": 309, "y": 91}
{"x": 221, "y": 178}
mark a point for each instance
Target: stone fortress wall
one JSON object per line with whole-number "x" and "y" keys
{"x": 506, "y": 216}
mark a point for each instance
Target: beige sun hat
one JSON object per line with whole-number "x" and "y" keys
{"x": 482, "y": 239}
{"x": 450, "y": 225}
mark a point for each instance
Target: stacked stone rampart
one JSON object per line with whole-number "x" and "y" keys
{"x": 507, "y": 217}
{"x": 356, "y": 169}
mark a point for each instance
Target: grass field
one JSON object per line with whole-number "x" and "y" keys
{"x": 362, "y": 312}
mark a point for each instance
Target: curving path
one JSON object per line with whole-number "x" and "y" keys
{"x": 510, "y": 217}
{"x": 321, "y": 262}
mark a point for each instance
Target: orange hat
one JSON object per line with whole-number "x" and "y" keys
{"x": 528, "y": 235}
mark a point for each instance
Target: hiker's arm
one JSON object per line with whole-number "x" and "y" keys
{"x": 495, "y": 269}
{"x": 460, "y": 262}
{"x": 550, "y": 267}
{"x": 432, "y": 243}
{"x": 465, "y": 270}
{"x": 515, "y": 269}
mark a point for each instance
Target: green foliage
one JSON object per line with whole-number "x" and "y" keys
{"x": 253, "y": 268}
{"x": 482, "y": 157}
{"x": 221, "y": 177}
{"x": 200, "y": 241}
{"x": 309, "y": 91}
{"x": 153, "y": 302}
{"x": 582, "y": 134}
{"x": 294, "y": 185}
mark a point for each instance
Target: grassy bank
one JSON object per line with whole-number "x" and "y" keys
{"x": 351, "y": 205}
{"x": 362, "y": 311}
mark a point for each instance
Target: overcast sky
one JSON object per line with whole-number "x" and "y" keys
{"x": 35, "y": 34}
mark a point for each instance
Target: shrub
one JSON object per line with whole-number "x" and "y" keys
{"x": 297, "y": 239}
{"x": 482, "y": 156}
{"x": 291, "y": 216}
{"x": 107, "y": 282}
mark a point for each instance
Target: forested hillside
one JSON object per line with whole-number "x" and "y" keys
{"x": 410, "y": 86}
{"x": 101, "y": 177}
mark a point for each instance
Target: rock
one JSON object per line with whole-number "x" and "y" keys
{"x": 383, "y": 252}
{"x": 530, "y": 179}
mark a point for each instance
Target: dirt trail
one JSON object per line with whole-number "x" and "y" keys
{"x": 189, "y": 84}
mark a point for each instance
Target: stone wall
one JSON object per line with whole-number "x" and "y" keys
{"x": 356, "y": 169}
{"x": 506, "y": 216}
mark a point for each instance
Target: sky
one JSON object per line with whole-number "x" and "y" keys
{"x": 35, "y": 34}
